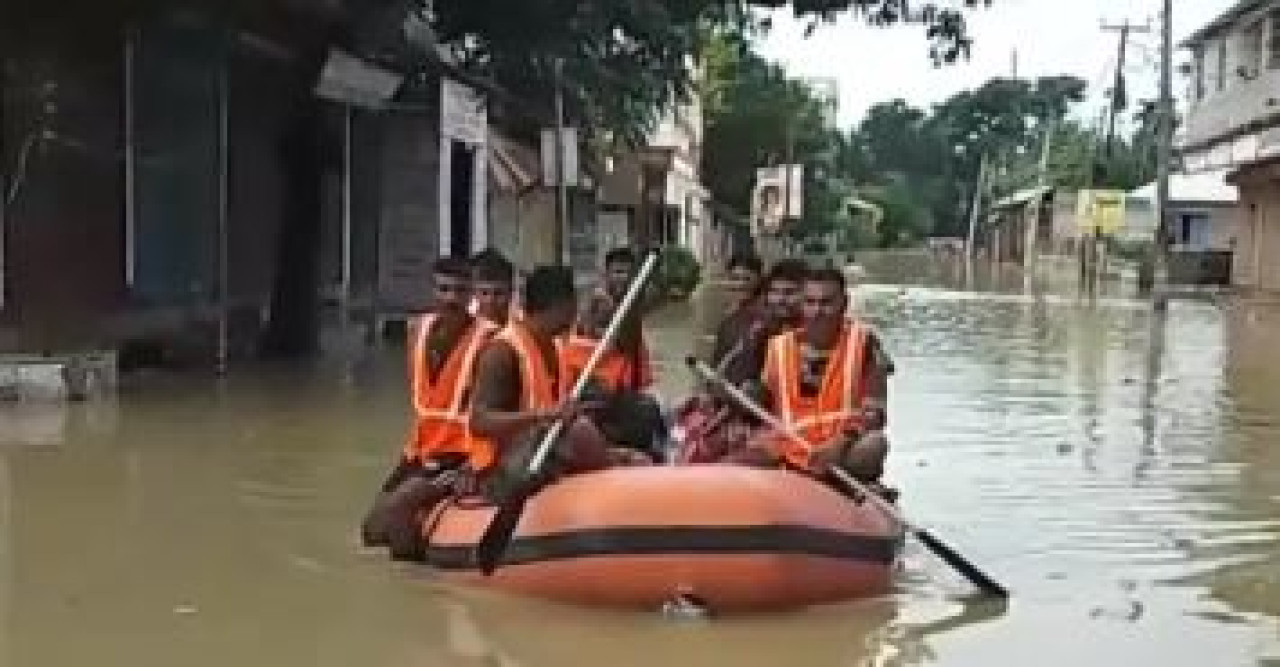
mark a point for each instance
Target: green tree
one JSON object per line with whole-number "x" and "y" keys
{"x": 755, "y": 115}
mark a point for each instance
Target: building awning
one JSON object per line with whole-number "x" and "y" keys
{"x": 513, "y": 167}
{"x": 1022, "y": 197}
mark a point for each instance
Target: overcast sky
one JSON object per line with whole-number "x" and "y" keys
{"x": 1050, "y": 36}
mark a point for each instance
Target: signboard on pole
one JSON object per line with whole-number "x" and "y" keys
{"x": 463, "y": 116}
{"x": 778, "y": 196}
{"x": 348, "y": 79}
{"x": 1100, "y": 211}
{"x": 568, "y": 157}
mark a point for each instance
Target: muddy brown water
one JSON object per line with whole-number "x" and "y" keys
{"x": 1117, "y": 468}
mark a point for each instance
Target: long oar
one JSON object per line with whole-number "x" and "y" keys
{"x": 497, "y": 537}
{"x": 952, "y": 557}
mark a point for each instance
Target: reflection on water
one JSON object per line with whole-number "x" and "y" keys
{"x": 1115, "y": 466}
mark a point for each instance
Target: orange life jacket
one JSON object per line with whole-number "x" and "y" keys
{"x": 540, "y": 389}
{"x": 616, "y": 370}
{"x": 440, "y": 402}
{"x": 835, "y": 410}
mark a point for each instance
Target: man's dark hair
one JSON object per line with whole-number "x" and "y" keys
{"x": 454, "y": 267}
{"x": 622, "y": 255}
{"x": 490, "y": 265}
{"x": 547, "y": 287}
{"x": 791, "y": 270}
{"x": 745, "y": 260}
{"x": 827, "y": 275}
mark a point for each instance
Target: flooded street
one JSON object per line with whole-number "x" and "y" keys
{"x": 1115, "y": 467}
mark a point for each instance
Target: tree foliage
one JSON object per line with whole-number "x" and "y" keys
{"x": 625, "y": 61}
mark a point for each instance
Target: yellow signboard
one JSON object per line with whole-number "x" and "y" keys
{"x": 1100, "y": 211}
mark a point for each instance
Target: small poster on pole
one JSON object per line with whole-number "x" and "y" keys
{"x": 568, "y": 157}
{"x": 778, "y": 197}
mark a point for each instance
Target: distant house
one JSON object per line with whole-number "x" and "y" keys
{"x": 654, "y": 195}
{"x": 1019, "y": 226}
{"x": 1203, "y": 221}
{"x": 1233, "y": 124}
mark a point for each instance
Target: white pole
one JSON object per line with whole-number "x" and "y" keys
{"x": 345, "y": 270}
{"x": 224, "y": 274}
{"x": 130, "y": 159}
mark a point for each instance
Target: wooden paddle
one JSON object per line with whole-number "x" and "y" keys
{"x": 952, "y": 557}
{"x": 497, "y": 536}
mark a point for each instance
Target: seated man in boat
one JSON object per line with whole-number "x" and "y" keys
{"x": 777, "y": 310}
{"x": 828, "y": 381}
{"x": 631, "y": 414}
{"x": 620, "y": 266}
{"x": 492, "y": 287}
{"x": 745, "y": 272}
{"x": 711, "y": 425}
{"x": 521, "y": 387}
{"x": 443, "y": 347}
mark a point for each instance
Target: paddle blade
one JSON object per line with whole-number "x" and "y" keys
{"x": 497, "y": 536}
{"x": 960, "y": 564}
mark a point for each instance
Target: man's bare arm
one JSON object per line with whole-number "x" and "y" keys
{"x": 876, "y": 382}
{"x": 495, "y": 402}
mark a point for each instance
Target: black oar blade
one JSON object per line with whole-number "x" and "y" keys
{"x": 497, "y": 536}
{"x": 960, "y": 564}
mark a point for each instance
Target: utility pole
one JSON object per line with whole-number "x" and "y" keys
{"x": 975, "y": 211}
{"x": 1164, "y": 155}
{"x": 1013, "y": 64}
{"x": 562, "y": 191}
{"x": 1046, "y": 149}
{"x": 1117, "y": 89}
{"x": 1156, "y": 259}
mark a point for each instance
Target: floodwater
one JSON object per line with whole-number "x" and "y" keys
{"x": 1114, "y": 466}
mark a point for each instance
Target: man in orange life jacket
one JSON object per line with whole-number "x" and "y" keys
{"x": 492, "y": 287}
{"x": 444, "y": 345}
{"x": 629, "y": 415}
{"x": 521, "y": 386}
{"x": 828, "y": 381}
{"x": 629, "y": 359}
{"x": 739, "y": 352}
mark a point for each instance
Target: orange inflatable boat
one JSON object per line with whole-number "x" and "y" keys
{"x": 735, "y": 539}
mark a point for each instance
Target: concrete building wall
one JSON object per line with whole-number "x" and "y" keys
{"x": 1258, "y": 245}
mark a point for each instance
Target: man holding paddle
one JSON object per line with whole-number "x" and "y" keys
{"x": 828, "y": 381}
{"x": 521, "y": 386}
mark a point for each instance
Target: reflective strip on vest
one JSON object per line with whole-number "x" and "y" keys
{"x": 470, "y": 344}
